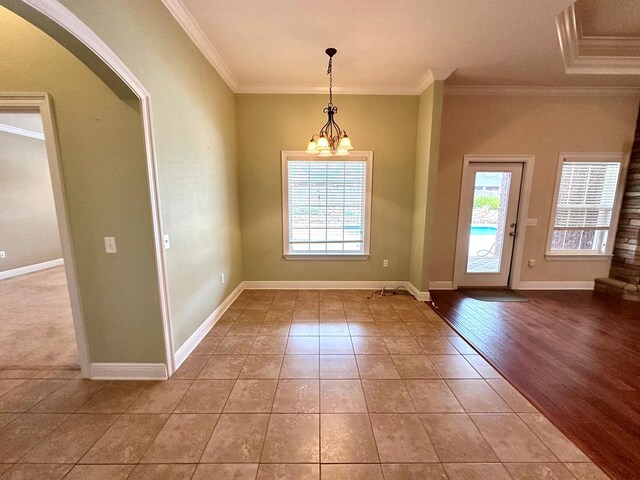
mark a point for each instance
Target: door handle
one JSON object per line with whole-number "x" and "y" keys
{"x": 513, "y": 232}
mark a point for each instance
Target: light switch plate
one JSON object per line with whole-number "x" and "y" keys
{"x": 110, "y": 245}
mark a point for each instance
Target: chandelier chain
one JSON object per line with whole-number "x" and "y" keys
{"x": 330, "y": 73}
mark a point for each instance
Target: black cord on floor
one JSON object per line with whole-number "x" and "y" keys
{"x": 389, "y": 292}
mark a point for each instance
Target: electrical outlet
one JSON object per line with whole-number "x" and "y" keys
{"x": 532, "y": 263}
{"x": 166, "y": 241}
{"x": 385, "y": 263}
{"x": 3, "y": 254}
{"x": 222, "y": 278}
{"x": 110, "y": 245}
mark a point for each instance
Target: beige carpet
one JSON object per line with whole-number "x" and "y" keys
{"x": 36, "y": 326}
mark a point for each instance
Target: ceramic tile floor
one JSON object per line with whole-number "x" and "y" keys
{"x": 295, "y": 385}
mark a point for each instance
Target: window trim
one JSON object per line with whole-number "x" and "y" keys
{"x": 360, "y": 155}
{"x": 623, "y": 159}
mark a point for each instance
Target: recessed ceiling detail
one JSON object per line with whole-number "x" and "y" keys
{"x": 597, "y": 54}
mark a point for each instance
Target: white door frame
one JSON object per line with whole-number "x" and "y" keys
{"x": 41, "y": 103}
{"x": 527, "y": 162}
{"x": 59, "y": 14}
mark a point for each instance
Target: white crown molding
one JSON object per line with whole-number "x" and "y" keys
{"x": 572, "y": 41}
{"x": 542, "y": 91}
{"x": 128, "y": 371}
{"x": 322, "y": 90}
{"x": 14, "y": 272}
{"x": 195, "y": 33}
{"x": 201, "y": 332}
{"x": 611, "y": 42}
{"x": 431, "y": 76}
{"x": 23, "y": 132}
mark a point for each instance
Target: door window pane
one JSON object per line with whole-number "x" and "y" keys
{"x": 488, "y": 222}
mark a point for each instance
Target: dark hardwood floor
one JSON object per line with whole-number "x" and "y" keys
{"x": 575, "y": 355}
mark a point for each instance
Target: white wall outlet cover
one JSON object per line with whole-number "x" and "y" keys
{"x": 3, "y": 254}
{"x": 222, "y": 278}
{"x": 166, "y": 241}
{"x": 110, "y": 245}
{"x": 385, "y": 263}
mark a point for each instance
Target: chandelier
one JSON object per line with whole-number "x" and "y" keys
{"x": 331, "y": 140}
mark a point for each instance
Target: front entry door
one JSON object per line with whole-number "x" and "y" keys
{"x": 487, "y": 224}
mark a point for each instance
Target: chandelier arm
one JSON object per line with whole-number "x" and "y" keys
{"x": 324, "y": 127}
{"x": 339, "y": 130}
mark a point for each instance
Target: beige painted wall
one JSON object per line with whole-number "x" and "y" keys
{"x": 195, "y": 135}
{"x": 104, "y": 172}
{"x": 268, "y": 124}
{"x": 540, "y": 126}
{"x": 426, "y": 177}
{"x": 28, "y": 223}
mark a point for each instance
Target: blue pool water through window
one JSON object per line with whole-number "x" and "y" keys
{"x": 483, "y": 230}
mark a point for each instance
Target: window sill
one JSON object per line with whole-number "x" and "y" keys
{"x": 362, "y": 256}
{"x": 577, "y": 256}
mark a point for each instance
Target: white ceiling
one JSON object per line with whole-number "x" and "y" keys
{"x": 384, "y": 46}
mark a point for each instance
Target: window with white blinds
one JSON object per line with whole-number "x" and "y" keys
{"x": 586, "y": 202}
{"x": 326, "y": 205}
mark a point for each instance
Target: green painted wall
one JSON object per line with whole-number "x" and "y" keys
{"x": 426, "y": 172}
{"x": 28, "y": 224}
{"x": 195, "y": 135}
{"x": 268, "y": 124}
{"x": 105, "y": 176}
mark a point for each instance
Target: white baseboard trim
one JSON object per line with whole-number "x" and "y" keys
{"x": 335, "y": 285}
{"x": 321, "y": 285}
{"x": 420, "y": 296}
{"x": 441, "y": 285}
{"x": 196, "y": 337}
{"x": 128, "y": 371}
{"x": 30, "y": 268}
{"x": 542, "y": 285}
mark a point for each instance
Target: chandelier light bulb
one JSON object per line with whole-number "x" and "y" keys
{"x": 322, "y": 144}
{"x": 312, "y": 147}
{"x": 325, "y": 153}
{"x": 341, "y": 152}
{"x": 345, "y": 143}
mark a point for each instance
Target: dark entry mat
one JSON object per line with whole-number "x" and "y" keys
{"x": 494, "y": 295}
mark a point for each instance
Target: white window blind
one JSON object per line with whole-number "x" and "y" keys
{"x": 327, "y": 203}
{"x": 586, "y": 202}
{"x": 587, "y": 195}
